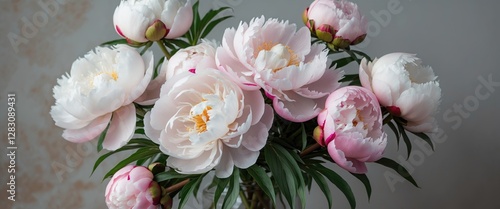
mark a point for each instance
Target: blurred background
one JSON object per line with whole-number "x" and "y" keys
{"x": 457, "y": 38}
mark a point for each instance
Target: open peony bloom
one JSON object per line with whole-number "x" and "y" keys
{"x": 101, "y": 88}
{"x": 405, "y": 87}
{"x": 273, "y": 56}
{"x": 203, "y": 121}
{"x": 132, "y": 187}
{"x": 141, "y": 21}
{"x": 337, "y": 22}
{"x": 351, "y": 126}
{"x": 201, "y": 56}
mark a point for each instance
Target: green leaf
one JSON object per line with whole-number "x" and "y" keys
{"x": 362, "y": 54}
{"x": 263, "y": 180}
{"x": 398, "y": 168}
{"x": 341, "y": 62}
{"x": 212, "y": 25}
{"x": 115, "y": 42}
{"x": 140, "y": 131}
{"x": 303, "y": 136}
{"x": 188, "y": 189}
{"x": 210, "y": 15}
{"x": 221, "y": 186}
{"x": 101, "y": 138}
{"x": 142, "y": 153}
{"x": 426, "y": 138}
{"x": 103, "y": 157}
{"x": 144, "y": 142}
{"x": 233, "y": 190}
{"x": 395, "y": 130}
{"x": 171, "y": 174}
{"x": 366, "y": 182}
{"x": 179, "y": 43}
{"x": 339, "y": 182}
{"x": 322, "y": 184}
{"x": 288, "y": 158}
{"x": 350, "y": 77}
{"x": 406, "y": 139}
{"x": 157, "y": 67}
{"x": 282, "y": 174}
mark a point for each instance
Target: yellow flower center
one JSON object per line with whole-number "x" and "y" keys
{"x": 200, "y": 120}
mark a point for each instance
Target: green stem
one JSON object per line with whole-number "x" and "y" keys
{"x": 149, "y": 44}
{"x": 254, "y": 199}
{"x": 244, "y": 200}
{"x": 164, "y": 49}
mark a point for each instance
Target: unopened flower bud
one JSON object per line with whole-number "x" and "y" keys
{"x": 166, "y": 202}
{"x": 156, "y": 31}
{"x": 155, "y": 191}
{"x": 318, "y": 136}
{"x": 325, "y": 33}
{"x": 156, "y": 168}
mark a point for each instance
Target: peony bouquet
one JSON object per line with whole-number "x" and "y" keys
{"x": 265, "y": 109}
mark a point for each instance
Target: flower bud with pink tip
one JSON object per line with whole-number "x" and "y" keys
{"x": 337, "y": 22}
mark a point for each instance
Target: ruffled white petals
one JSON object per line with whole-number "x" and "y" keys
{"x": 100, "y": 83}
{"x": 202, "y": 119}
{"x": 399, "y": 80}
{"x": 133, "y": 17}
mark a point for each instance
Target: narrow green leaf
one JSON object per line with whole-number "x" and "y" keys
{"x": 339, "y": 182}
{"x": 210, "y": 15}
{"x": 157, "y": 67}
{"x": 366, "y": 182}
{"x": 179, "y": 43}
{"x": 406, "y": 139}
{"x": 103, "y": 157}
{"x": 221, "y": 186}
{"x": 282, "y": 175}
{"x": 341, "y": 62}
{"x": 188, "y": 189}
{"x": 212, "y": 25}
{"x": 140, "y": 131}
{"x": 114, "y": 42}
{"x": 426, "y": 138}
{"x": 101, "y": 138}
{"x": 398, "y": 168}
{"x": 287, "y": 157}
{"x": 171, "y": 174}
{"x": 139, "y": 154}
{"x": 233, "y": 190}
{"x": 362, "y": 54}
{"x": 263, "y": 180}
{"x": 322, "y": 184}
{"x": 303, "y": 136}
{"x": 144, "y": 142}
{"x": 395, "y": 130}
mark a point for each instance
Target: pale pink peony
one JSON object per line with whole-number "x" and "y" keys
{"x": 204, "y": 121}
{"x": 405, "y": 87}
{"x": 351, "y": 125}
{"x": 102, "y": 85}
{"x": 150, "y": 20}
{"x": 273, "y": 56}
{"x": 191, "y": 58}
{"x": 336, "y": 21}
{"x": 132, "y": 187}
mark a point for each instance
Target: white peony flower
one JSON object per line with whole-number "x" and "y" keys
{"x": 203, "y": 121}
{"x": 101, "y": 87}
{"x": 405, "y": 87}
{"x": 150, "y": 20}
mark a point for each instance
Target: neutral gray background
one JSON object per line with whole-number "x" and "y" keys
{"x": 457, "y": 38}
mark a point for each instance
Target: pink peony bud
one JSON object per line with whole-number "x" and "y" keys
{"x": 133, "y": 187}
{"x": 344, "y": 18}
{"x": 352, "y": 128}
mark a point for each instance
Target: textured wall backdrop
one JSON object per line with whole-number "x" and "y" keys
{"x": 457, "y": 38}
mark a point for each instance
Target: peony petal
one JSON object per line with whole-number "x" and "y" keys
{"x": 351, "y": 165}
{"x": 121, "y": 129}
{"x": 226, "y": 165}
{"x": 299, "y": 109}
{"x": 144, "y": 82}
{"x": 322, "y": 87}
{"x": 243, "y": 158}
{"x": 182, "y": 21}
{"x": 201, "y": 164}
{"x": 150, "y": 132}
{"x": 88, "y": 132}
